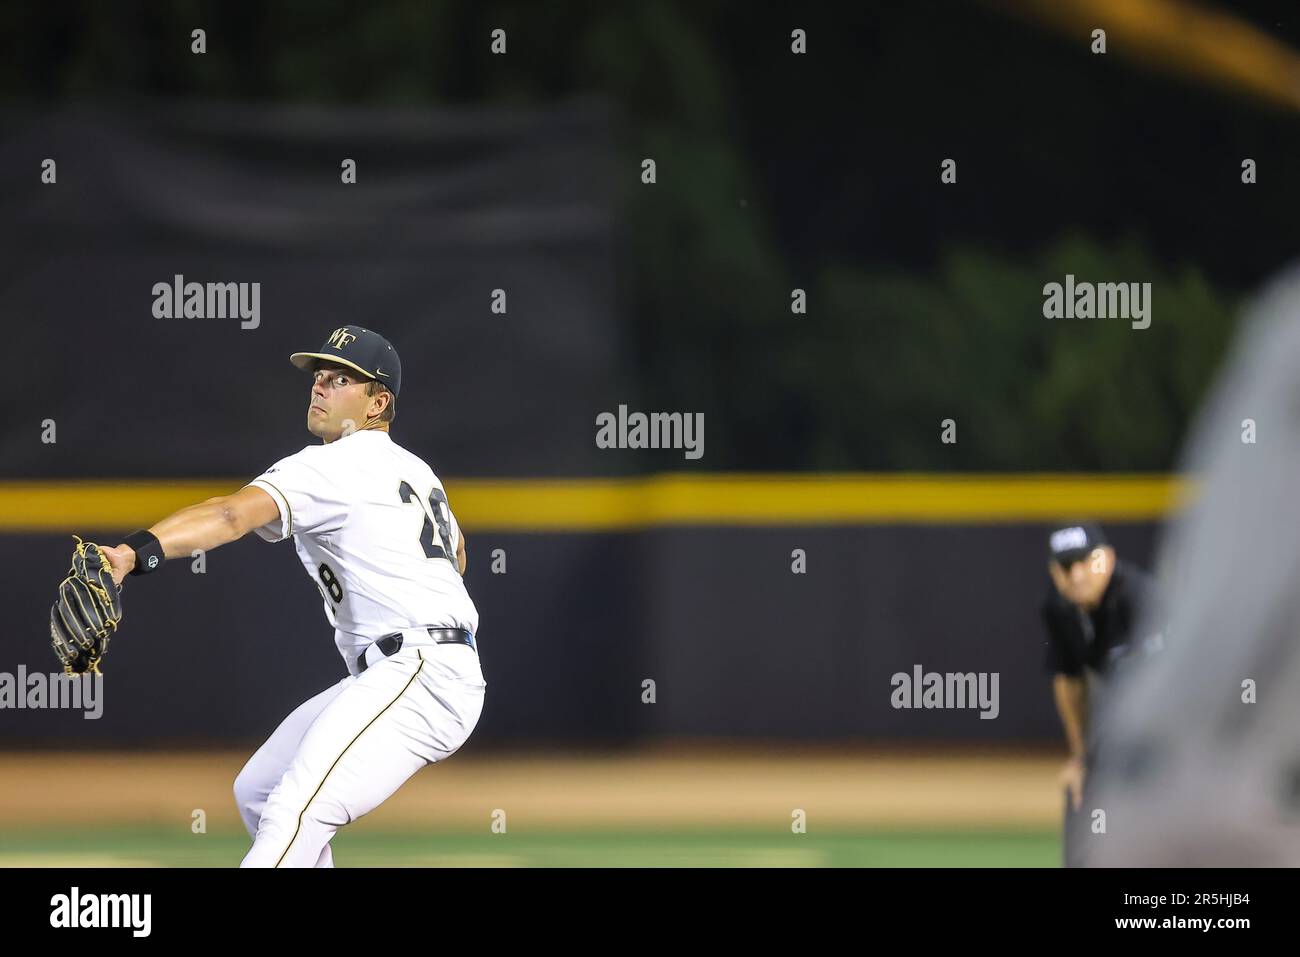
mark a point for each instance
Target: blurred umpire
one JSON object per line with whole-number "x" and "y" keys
{"x": 1092, "y": 610}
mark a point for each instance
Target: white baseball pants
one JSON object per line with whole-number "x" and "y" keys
{"x": 341, "y": 753}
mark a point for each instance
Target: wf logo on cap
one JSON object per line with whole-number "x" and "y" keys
{"x": 340, "y": 337}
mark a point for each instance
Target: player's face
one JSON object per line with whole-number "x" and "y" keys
{"x": 1084, "y": 582}
{"x": 338, "y": 402}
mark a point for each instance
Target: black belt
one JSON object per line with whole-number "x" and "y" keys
{"x": 390, "y": 645}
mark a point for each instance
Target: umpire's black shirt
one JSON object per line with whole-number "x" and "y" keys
{"x": 1101, "y": 638}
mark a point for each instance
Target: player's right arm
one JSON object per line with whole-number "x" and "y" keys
{"x": 1071, "y": 694}
{"x": 204, "y": 526}
{"x": 1070, "y": 691}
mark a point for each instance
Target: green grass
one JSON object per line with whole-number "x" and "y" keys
{"x": 699, "y": 847}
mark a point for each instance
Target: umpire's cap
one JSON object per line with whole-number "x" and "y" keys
{"x": 1071, "y": 543}
{"x": 368, "y": 352}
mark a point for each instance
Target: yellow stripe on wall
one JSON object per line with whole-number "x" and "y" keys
{"x": 103, "y": 504}
{"x": 538, "y": 505}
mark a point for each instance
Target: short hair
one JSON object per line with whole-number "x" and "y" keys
{"x": 373, "y": 387}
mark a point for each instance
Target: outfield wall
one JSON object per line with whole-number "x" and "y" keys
{"x": 736, "y": 643}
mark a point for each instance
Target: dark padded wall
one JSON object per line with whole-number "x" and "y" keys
{"x": 448, "y": 206}
{"x": 737, "y": 644}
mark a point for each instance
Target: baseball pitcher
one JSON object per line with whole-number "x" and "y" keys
{"x": 371, "y": 523}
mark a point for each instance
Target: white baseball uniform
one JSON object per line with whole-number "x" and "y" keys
{"x": 372, "y": 526}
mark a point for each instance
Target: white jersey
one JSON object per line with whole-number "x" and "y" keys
{"x": 372, "y": 526}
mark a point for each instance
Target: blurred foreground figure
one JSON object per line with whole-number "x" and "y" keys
{"x": 1202, "y": 759}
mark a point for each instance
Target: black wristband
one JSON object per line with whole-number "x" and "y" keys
{"x": 148, "y": 551}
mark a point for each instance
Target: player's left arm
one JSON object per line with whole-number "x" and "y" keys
{"x": 458, "y": 534}
{"x": 204, "y": 526}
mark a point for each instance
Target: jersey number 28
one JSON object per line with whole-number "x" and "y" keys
{"x": 437, "y": 520}
{"x": 434, "y": 519}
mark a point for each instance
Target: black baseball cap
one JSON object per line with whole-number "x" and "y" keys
{"x": 357, "y": 348}
{"x": 1070, "y": 543}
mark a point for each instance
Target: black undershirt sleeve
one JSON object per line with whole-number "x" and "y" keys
{"x": 1059, "y": 658}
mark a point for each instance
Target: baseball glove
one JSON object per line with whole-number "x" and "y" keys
{"x": 88, "y": 610}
